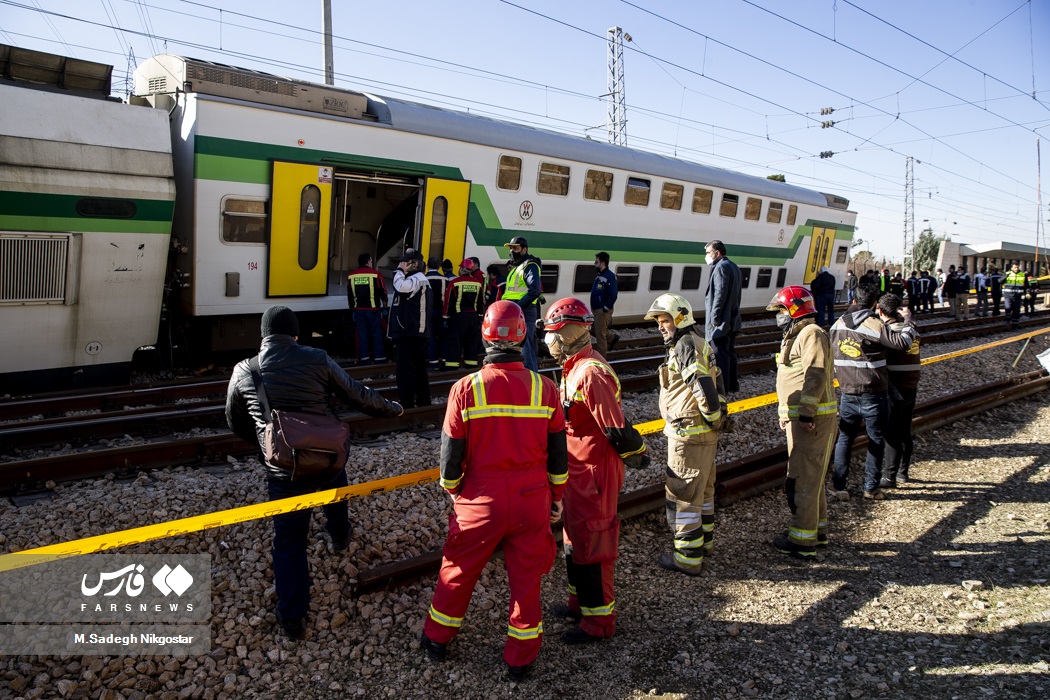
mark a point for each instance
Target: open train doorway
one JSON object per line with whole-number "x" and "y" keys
{"x": 373, "y": 214}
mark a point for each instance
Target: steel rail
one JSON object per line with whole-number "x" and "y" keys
{"x": 749, "y": 476}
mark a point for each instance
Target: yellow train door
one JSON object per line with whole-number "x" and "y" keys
{"x": 300, "y": 218}
{"x": 445, "y": 219}
{"x": 820, "y": 248}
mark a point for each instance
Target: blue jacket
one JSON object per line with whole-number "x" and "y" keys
{"x": 722, "y": 305}
{"x": 603, "y": 291}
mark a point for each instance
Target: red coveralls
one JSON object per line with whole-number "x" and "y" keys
{"x": 592, "y": 527}
{"x": 506, "y": 416}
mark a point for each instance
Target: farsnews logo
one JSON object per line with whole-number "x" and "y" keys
{"x": 132, "y": 582}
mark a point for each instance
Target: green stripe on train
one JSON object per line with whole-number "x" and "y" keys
{"x": 243, "y": 161}
{"x": 51, "y": 224}
{"x": 65, "y": 205}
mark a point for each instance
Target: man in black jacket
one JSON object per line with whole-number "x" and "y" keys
{"x": 296, "y": 378}
{"x": 823, "y": 289}
{"x": 722, "y": 312}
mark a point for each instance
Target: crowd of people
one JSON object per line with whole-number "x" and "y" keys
{"x": 572, "y": 441}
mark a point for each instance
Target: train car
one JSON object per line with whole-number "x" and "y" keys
{"x": 86, "y": 199}
{"x": 282, "y": 184}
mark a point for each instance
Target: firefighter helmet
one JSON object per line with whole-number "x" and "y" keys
{"x": 467, "y": 265}
{"x": 674, "y": 305}
{"x": 569, "y": 310}
{"x": 503, "y": 325}
{"x": 796, "y": 301}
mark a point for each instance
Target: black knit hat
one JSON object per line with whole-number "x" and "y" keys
{"x": 279, "y": 320}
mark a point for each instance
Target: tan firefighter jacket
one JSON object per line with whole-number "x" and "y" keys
{"x": 692, "y": 393}
{"x": 805, "y": 373}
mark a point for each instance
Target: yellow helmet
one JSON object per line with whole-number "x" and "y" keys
{"x": 676, "y": 306}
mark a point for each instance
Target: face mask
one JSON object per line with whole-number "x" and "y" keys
{"x": 784, "y": 322}
{"x": 710, "y": 259}
{"x": 554, "y": 346}
{"x": 516, "y": 255}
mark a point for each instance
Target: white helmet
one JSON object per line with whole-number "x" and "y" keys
{"x": 676, "y": 306}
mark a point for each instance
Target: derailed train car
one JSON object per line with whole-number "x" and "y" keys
{"x": 283, "y": 183}
{"x": 86, "y": 199}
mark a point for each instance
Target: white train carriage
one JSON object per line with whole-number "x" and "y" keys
{"x": 86, "y": 200}
{"x": 283, "y": 183}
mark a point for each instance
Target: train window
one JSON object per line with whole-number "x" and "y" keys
{"x": 438, "y": 222}
{"x": 243, "y": 221}
{"x": 637, "y": 192}
{"x": 627, "y": 278}
{"x": 597, "y": 186}
{"x": 660, "y": 278}
{"x": 671, "y": 197}
{"x": 765, "y": 276}
{"x": 509, "y": 175}
{"x": 776, "y": 211}
{"x": 549, "y": 278}
{"x": 691, "y": 276}
{"x": 702, "y": 201}
{"x": 104, "y": 208}
{"x": 840, "y": 256}
{"x": 583, "y": 278}
{"x": 729, "y": 205}
{"x": 792, "y": 212}
{"x": 782, "y": 274}
{"x": 745, "y": 277}
{"x": 309, "y": 226}
{"x": 554, "y": 179}
{"x": 753, "y": 209}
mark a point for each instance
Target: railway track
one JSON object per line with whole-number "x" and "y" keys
{"x": 752, "y": 475}
{"x": 167, "y": 432}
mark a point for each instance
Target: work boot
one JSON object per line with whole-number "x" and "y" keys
{"x": 822, "y": 539}
{"x": 434, "y": 651}
{"x": 577, "y": 635}
{"x": 562, "y": 610}
{"x": 887, "y": 483}
{"x": 666, "y": 561}
{"x": 785, "y": 546}
{"x": 517, "y": 674}
{"x": 294, "y": 627}
{"x": 614, "y": 342}
{"x": 902, "y": 477}
{"x": 875, "y": 495}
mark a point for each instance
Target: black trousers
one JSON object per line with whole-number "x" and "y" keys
{"x": 725, "y": 358}
{"x": 413, "y": 383}
{"x": 463, "y": 338}
{"x": 899, "y": 443}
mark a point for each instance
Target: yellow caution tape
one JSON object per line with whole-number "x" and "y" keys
{"x": 173, "y": 528}
{"x": 197, "y": 523}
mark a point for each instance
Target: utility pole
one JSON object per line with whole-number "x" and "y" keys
{"x": 329, "y": 61}
{"x": 909, "y": 214}
{"x": 617, "y": 120}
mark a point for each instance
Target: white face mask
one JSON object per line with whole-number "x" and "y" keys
{"x": 709, "y": 258}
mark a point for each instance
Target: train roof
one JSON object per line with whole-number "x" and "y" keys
{"x": 156, "y": 75}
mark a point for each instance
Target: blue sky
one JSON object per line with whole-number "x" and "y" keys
{"x": 733, "y": 83}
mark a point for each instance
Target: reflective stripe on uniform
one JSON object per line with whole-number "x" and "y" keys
{"x": 860, "y": 363}
{"x": 451, "y": 484}
{"x": 598, "y": 612}
{"x": 805, "y": 536}
{"x": 446, "y": 620}
{"x": 571, "y": 388}
{"x": 790, "y": 412}
{"x": 527, "y": 633}
{"x": 482, "y": 409}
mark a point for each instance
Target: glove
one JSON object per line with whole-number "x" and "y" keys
{"x": 638, "y": 461}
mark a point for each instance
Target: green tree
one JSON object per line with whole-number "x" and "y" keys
{"x": 926, "y": 249}
{"x": 778, "y": 177}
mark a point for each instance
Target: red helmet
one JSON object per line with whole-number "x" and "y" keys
{"x": 504, "y": 324}
{"x": 566, "y": 311}
{"x": 797, "y": 301}
{"x": 467, "y": 265}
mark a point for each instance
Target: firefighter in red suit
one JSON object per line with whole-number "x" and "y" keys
{"x": 504, "y": 464}
{"x": 599, "y": 441}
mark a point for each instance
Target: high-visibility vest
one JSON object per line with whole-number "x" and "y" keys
{"x": 517, "y": 288}
{"x": 1014, "y": 282}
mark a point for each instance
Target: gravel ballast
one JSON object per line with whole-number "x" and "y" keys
{"x": 939, "y": 591}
